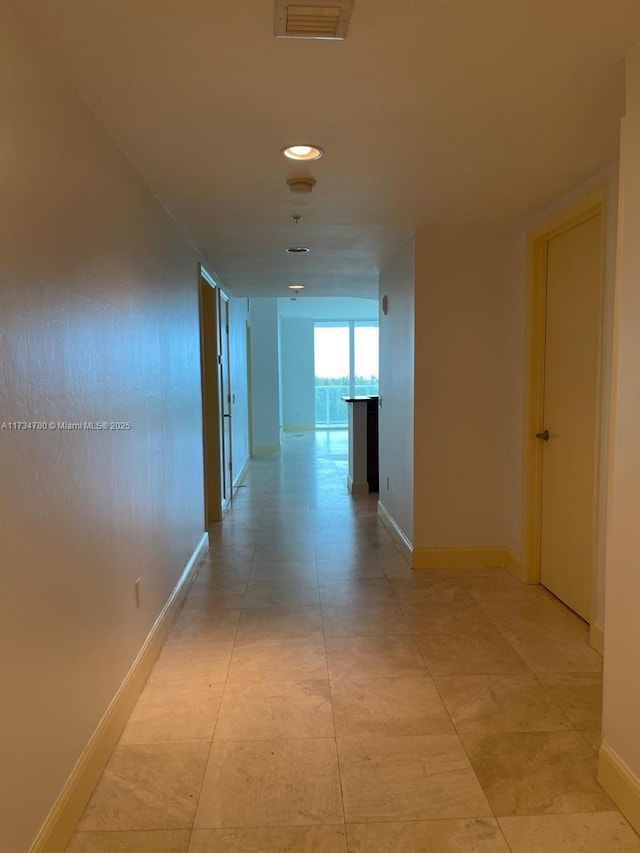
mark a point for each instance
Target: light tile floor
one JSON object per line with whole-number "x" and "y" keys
{"x": 316, "y": 696}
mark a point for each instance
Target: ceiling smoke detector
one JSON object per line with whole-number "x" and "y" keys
{"x": 312, "y": 19}
{"x": 301, "y": 185}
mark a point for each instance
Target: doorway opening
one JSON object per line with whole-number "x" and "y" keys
{"x": 216, "y": 398}
{"x": 562, "y": 404}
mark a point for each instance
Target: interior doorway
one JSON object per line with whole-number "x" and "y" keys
{"x": 563, "y": 412}
{"x": 216, "y": 397}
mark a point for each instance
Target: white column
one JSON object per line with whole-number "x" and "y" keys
{"x": 357, "y": 481}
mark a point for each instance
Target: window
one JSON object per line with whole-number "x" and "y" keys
{"x": 346, "y": 364}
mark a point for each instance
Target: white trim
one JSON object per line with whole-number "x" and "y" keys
{"x": 596, "y": 637}
{"x": 622, "y": 785}
{"x": 396, "y": 532}
{"x": 238, "y": 480}
{"x": 357, "y": 487}
{"x": 446, "y": 558}
{"x": 67, "y": 810}
{"x": 464, "y": 558}
{"x": 264, "y": 450}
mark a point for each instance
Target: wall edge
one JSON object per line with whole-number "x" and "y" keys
{"x": 620, "y": 783}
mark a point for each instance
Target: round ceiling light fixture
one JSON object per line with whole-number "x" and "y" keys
{"x": 303, "y": 152}
{"x": 296, "y": 287}
{"x": 298, "y": 250}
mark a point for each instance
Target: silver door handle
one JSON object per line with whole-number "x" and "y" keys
{"x": 543, "y": 435}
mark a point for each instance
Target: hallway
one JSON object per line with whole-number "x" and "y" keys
{"x": 316, "y": 696}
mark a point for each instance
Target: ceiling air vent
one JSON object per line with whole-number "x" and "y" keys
{"x": 312, "y": 19}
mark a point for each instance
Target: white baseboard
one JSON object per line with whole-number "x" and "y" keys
{"x": 241, "y": 475}
{"x": 446, "y": 558}
{"x": 620, "y": 783}
{"x": 266, "y": 449}
{"x": 357, "y": 487}
{"x": 396, "y": 532}
{"x": 463, "y": 558}
{"x": 68, "y": 808}
{"x": 596, "y": 637}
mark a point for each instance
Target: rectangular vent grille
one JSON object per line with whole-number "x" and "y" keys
{"x": 323, "y": 20}
{"x": 318, "y": 19}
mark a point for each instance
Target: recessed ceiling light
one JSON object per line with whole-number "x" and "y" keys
{"x": 303, "y": 152}
{"x": 296, "y": 287}
{"x": 298, "y": 250}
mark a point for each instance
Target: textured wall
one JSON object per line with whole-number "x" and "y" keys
{"x": 98, "y": 322}
{"x": 622, "y": 627}
{"x": 265, "y": 380}
{"x": 464, "y": 398}
{"x": 239, "y": 383}
{"x": 397, "y": 352}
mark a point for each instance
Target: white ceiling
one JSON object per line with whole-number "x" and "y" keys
{"x": 327, "y": 308}
{"x": 430, "y": 111}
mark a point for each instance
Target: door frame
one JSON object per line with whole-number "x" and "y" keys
{"x": 224, "y": 387}
{"x": 210, "y": 385}
{"x": 249, "y": 385}
{"x": 535, "y": 344}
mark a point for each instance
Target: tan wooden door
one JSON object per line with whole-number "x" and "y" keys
{"x": 571, "y": 369}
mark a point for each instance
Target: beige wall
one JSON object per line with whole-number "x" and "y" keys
{"x": 297, "y": 376}
{"x": 397, "y": 388}
{"x": 238, "y": 319}
{"x": 622, "y": 646}
{"x": 465, "y": 401}
{"x": 468, "y": 310}
{"x": 98, "y": 321}
{"x": 265, "y": 375}
{"x": 451, "y": 384}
